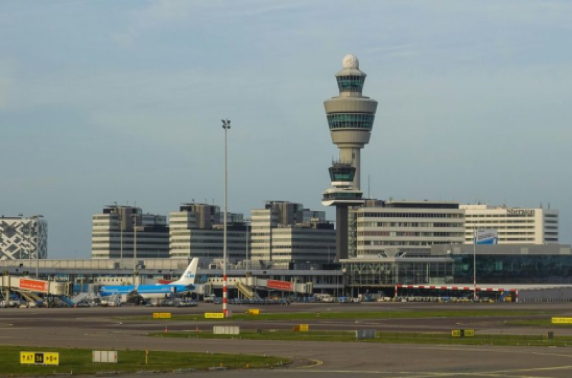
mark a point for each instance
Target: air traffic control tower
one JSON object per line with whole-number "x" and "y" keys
{"x": 350, "y": 118}
{"x": 350, "y": 115}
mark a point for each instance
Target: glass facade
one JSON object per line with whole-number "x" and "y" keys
{"x": 491, "y": 270}
{"x": 350, "y": 83}
{"x": 514, "y": 269}
{"x": 402, "y": 272}
{"x": 351, "y": 121}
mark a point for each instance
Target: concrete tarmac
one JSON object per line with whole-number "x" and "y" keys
{"x": 98, "y": 328}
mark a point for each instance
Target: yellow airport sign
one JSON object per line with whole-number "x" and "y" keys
{"x": 214, "y": 315}
{"x": 161, "y": 315}
{"x": 40, "y": 358}
{"x": 463, "y": 333}
{"x": 469, "y": 333}
{"x": 304, "y": 327}
{"x": 561, "y": 320}
{"x": 253, "y": 311}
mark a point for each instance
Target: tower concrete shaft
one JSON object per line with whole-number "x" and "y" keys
{"x": 351, "y": 115}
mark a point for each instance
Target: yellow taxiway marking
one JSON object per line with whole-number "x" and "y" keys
{"x": 316, "y": 363}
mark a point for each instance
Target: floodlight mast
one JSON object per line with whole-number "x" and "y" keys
{"x": 226, "y": 127}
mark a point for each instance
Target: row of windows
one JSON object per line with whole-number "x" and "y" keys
{"x": 411, "y": 233}
{"x": 497, "y": 216}
{"x": 409, "y": 224}
{"x": 109, "y": 248}
{"x": 406, "y": 243}
{"x": 511, "y": 239}
{"x": 351, "y": 121}
{"x": 321, "y": 247}
{"x": 195, "y": 235}
{"x": 522, "y": 221}
{"x": 409, "y": 215}
{"x": 229, "y": 248}
{"x": 125, "y": 245}
{"x": 471, "y": 230}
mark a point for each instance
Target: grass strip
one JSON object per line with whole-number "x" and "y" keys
{"x": 78, "y": 361}
{"x": 381, "y": 337}
{"x": 350, "y": 315}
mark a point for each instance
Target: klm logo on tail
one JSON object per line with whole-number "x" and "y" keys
{"x": 188, "y": 277}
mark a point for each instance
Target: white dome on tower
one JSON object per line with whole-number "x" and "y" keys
{"x": 350, "y": 61}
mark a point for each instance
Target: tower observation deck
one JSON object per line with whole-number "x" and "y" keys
{"x": 351, "y": 115}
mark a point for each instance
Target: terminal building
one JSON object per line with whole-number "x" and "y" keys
{"x": 23, "y": 238}
{"x": 514, "y": 225}
{"x": 451, "y": 266}
{"x": 121, "y": 232}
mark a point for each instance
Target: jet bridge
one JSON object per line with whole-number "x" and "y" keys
{"x": 248, "y": 285}
{"x": 29, "y": 285}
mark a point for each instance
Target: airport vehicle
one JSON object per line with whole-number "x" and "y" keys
{"x": 138, "y": 293}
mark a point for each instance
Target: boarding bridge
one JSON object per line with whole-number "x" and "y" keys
{"x": 248, "y": 285}
{"x": 28, "y": 287}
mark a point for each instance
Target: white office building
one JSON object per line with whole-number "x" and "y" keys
{"x": 196, "y": 230}
{"x": 280, "y": 234}
{"x": 122, "y": 232}
{"x": 514, "y": 225}
{"x": 23, "y": 238}
{"x": 408, "y": 226}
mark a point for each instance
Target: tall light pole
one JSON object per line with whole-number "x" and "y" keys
{"x": 226, "y": 127}
{"x": 474, "y": 263}
{"x": 246, "y": 221}
{"x": 120, "y": 214}
{"x": 135, "y": 250}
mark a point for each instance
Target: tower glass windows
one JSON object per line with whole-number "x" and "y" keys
{"x": 341, "y": 172}
{"x": 351, "y": 121}
{"x": 350, "y": 83}
{"x": 342, "y": 196}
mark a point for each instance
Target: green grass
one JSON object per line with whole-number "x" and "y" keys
{"x": 351, "y": 315}
{"x": 78, "y": 361}
{"x": 382, "y": 337}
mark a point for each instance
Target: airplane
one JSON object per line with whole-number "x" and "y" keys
{"x": 185, "y": 284}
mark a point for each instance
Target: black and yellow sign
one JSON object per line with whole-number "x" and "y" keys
{"x": 161, "y": 315}
{"x": 214, "y": 315}
{"x": 463, "y": 333}
{"x": 253, "y": 311}
{"x": 40, "y": 358}
{"x": 304, "y": 328}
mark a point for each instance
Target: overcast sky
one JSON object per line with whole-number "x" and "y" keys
{"x": 104, "y": 101}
